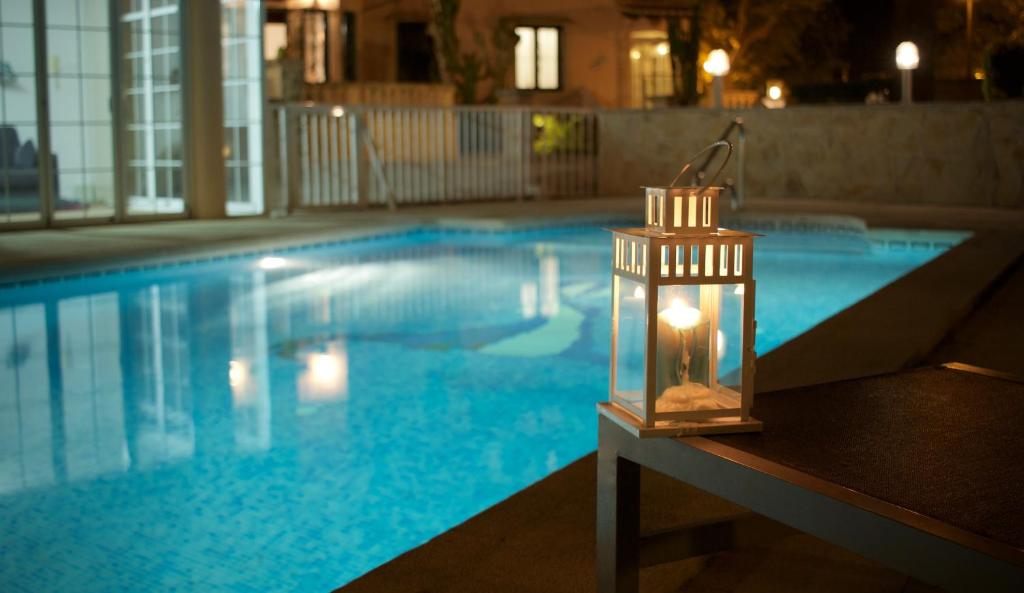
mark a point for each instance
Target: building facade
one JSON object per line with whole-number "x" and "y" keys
{"x": 112, "y": 110}
{"x": 590, "y": 53}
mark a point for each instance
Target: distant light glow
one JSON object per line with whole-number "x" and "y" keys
{"x": 907, "y": 56}
{"x": 338, "y": 111}
{"x": 979, "y": 74}
{"x": 662, "y": 48}
{"x": 774, "y": 92}
{"x": 717, "y": 63}
{"x": 635, "y": 54}
{"x": 272, "y": 263}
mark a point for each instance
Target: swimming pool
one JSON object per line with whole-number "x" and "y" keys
{"x": 288, "y": 421}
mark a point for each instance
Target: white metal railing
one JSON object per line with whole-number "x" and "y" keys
{"x": 363, "y": 155}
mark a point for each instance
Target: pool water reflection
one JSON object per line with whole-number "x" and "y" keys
{"x": 288, "y": 422}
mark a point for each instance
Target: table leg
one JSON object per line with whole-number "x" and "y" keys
{"x": 618, "y": 521}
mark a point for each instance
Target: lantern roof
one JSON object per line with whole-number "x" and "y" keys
{"x": 654, "y": 234}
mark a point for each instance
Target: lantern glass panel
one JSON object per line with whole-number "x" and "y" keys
{"x": 692, "y": 345}
{"x": 630, "y": 331}
{"x": 730, "y": 338}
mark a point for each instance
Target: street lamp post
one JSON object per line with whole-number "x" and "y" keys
{"x": 717, "y": 65}
{"x": 907, "y": 59}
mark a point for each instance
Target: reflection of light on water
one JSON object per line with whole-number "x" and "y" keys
{"x": 528, "y": 299}
{"x": 272, "y": 263}
{"x": 549, "y": 285}
{"x": 326, "y": 374}
{"x": 240, "y": 380}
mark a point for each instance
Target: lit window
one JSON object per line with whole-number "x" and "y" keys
{"x": 537, "y": 58}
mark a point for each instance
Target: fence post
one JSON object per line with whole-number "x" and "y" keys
{"x": 360, "y": 147}
{"x": 288, "y": 162}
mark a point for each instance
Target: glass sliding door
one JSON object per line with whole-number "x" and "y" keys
{"x": 241, "y": 40}
{"x": 151, "y": 96}
{"x": 81, "y": 119}
{"x": 20, "y": 191}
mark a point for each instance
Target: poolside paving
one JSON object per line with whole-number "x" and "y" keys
{"x": 963, "y": 306}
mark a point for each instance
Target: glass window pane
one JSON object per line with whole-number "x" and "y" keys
{"x": 526, "y": 63}
{"x": 17, "y": 51}
{"x": 547, "y": 58}
{"x": 153, "y": 118}
{"x": 243, "y": 105}
{"x": 81, "y": 133}
{"x": 16, "y": 12}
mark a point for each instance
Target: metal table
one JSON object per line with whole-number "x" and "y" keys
{"x": 921, "y": 470}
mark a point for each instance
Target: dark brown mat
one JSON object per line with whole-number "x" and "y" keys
{"x": 944, "y": 443}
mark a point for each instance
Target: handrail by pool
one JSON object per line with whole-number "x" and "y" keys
{"x": 739, "y": 189}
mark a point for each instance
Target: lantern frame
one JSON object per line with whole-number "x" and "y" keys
{"x": 666, "y": 253}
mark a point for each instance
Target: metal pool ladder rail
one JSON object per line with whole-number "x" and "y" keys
{"x": 737, "y": 187}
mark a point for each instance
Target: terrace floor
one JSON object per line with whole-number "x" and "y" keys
{"x": 962, "y": 306}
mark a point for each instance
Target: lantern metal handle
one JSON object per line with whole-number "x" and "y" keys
{"x": 689, "y": 163}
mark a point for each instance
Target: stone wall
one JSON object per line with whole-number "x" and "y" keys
{"x": 949, "y": 154}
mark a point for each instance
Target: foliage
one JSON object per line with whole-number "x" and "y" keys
{"x": 996, "y": 23}
{"x": 684, "y": 48}
{"x": 467, "y": 70}
{"x": 557, "y": 133}
{"x": 794, "y": 39}
{"x": 1004, "y": 68}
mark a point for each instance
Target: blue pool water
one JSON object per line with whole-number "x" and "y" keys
{"x": 287, "y": 424}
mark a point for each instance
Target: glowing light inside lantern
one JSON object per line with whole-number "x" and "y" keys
{"x": 681, "y": 316}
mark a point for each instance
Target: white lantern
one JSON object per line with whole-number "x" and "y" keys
{"x": 682, "y": 351}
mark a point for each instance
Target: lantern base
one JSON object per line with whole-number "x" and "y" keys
{"x": 634, "y": 426}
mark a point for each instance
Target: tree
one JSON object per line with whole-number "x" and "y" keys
{"x": 797, "y": 39}
{"x": 466, "y": 70}
{"x": 996, "y": 23}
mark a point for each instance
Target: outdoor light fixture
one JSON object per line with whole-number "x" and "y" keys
{"x": 717, "y": 65}
{"x": 774, "y": 95}
{"x": 907, "y": 60}
{"x": 682, "y": 352}
{"x": 662, "y": 48}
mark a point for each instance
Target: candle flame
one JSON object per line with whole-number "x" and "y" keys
{"x": 681, "y": 316}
